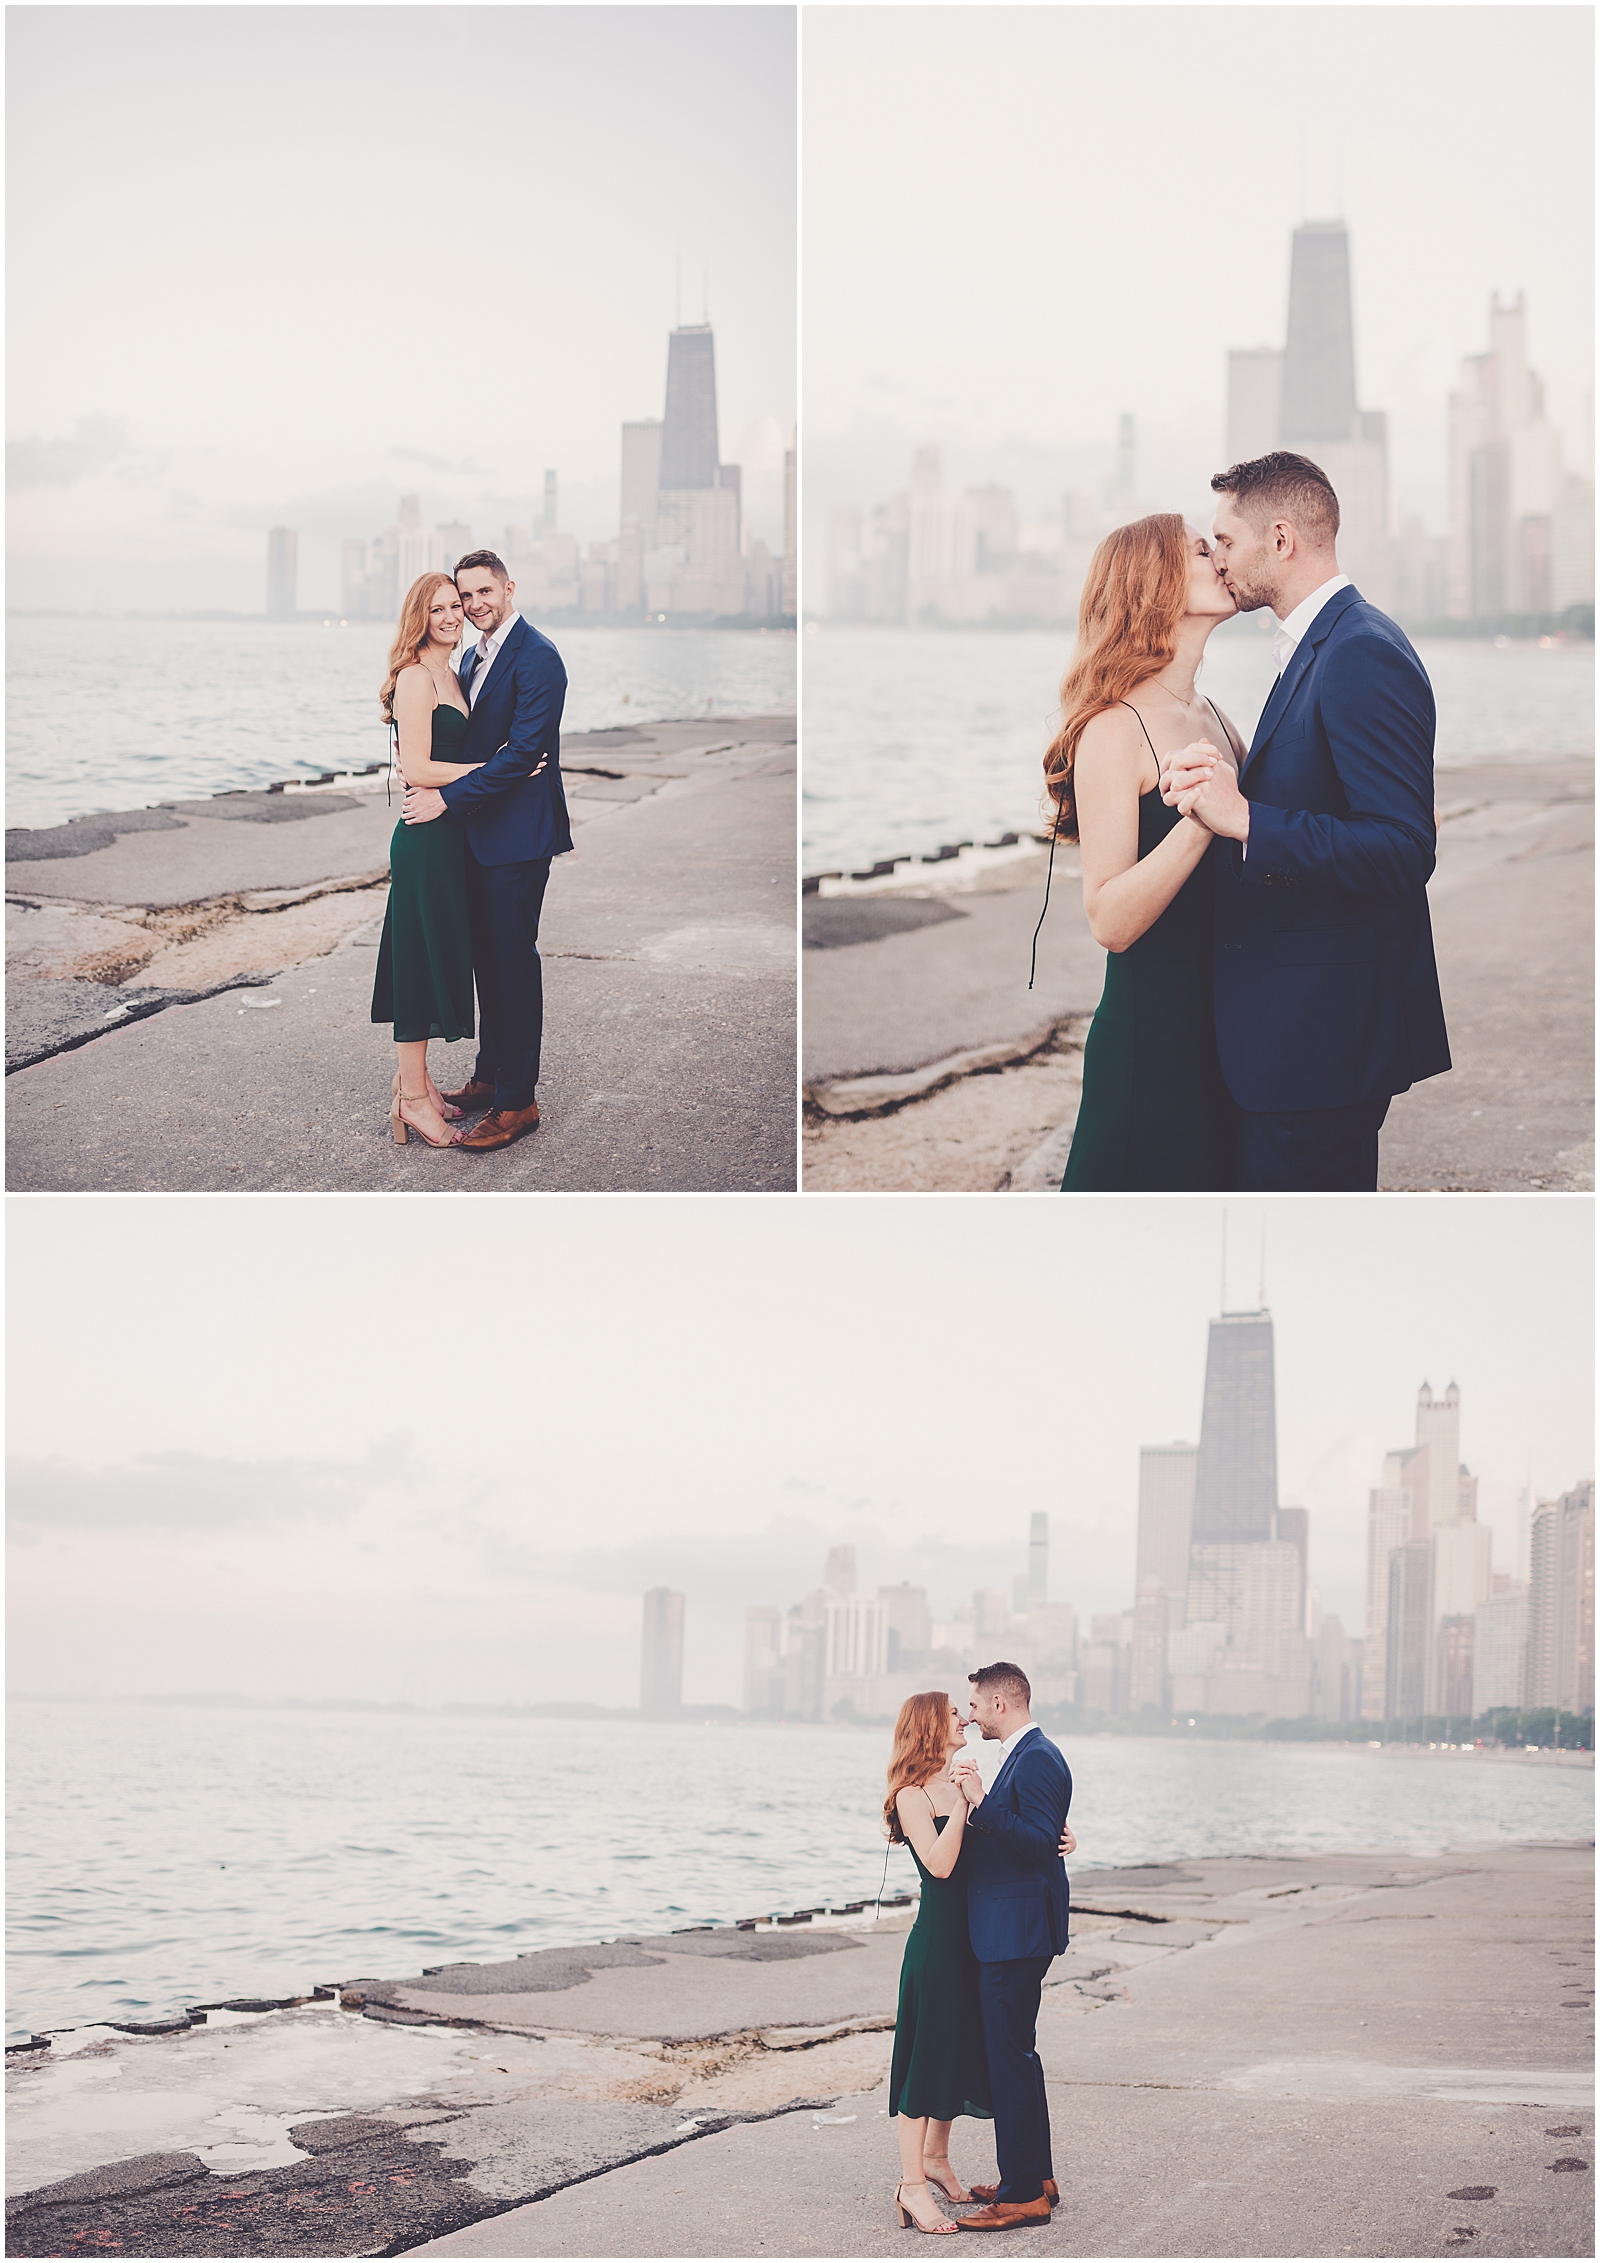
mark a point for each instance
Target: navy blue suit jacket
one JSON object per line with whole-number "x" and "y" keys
{"x": 511, "y": 816}
{"x": 1017, "y": 1895}
{"x": 1326, "y": 989}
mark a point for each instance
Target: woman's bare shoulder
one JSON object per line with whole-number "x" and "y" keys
{"x": 1110, "y": 736}
{"x": 413, "y": 682}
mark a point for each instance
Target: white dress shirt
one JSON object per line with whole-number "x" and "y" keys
{"x": 1009, "y": 1744}
{"x": 1291, "y": 631}
{"x": 497, "y": 638}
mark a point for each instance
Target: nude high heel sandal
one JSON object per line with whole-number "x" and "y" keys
{"x": 399, "y": 1122}
{"x": 908, "y": 2222}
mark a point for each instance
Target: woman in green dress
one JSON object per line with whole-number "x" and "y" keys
{"x": 1156, "y": 1114}
{"x": 940, "y": 2067}
{"x": 424, "y": 979}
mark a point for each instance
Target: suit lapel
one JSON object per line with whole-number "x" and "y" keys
{"x": 510, "y": 639}
{"x": 1283, "y": 691}
{"x": 1011, "y": 1761}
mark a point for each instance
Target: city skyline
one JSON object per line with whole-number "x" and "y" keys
{"x": 655, "y": 182}
{"x": 1084, "y": 287}
{"x": 811, "y": 1380}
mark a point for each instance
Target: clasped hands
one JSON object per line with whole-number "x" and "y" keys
{"x": 969, "y": 1783}
{"x": 1200, "y": 782}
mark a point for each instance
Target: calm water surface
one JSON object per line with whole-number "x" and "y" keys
{"x": 158, "y": 1856}
{"x": 915, "y": 737}
{"x": 120, "y": 714}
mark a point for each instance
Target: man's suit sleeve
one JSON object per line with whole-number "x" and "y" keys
{"x": 1035, "y": 1830}
{"x": 1380, "y": 722}
{"x": 540, "y": 684}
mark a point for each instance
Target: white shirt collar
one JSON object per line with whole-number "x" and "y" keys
{"x": 1009, "y": 1744}
{"x": 497, "y": 637}
{"x": 1292, "y": 629}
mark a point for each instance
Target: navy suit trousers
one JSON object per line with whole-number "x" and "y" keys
{"x": 503, "y": 906}
{"x": 1311, "y": 1150}
{"x": 1008, "y": 1995}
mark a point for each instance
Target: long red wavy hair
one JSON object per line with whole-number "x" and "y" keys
{"x": 412, "y": 634}
{"x": 921, "y": 1747}
{"x": 1136, "y": 593}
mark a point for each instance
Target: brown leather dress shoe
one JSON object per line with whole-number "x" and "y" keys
{"x": 471, "y": 1097}
{"x": 1007, "y": 2215}
{"x": 499, "y": 1128}
{"x": 991, "y": 2192}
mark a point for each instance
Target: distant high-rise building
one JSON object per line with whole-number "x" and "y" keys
{"x": 1499, "y": 1651}
{"x": 1255, "y": 402}
{"x": 1407, "y": 1635}
{"x": 661, "y": 1660}
{"x": 1147, "y": 1686}
{"x": 1319, "y": 354}
{"x": 410, "y": 514}
{"x": 353, "y": 590}
{"x": 1166, "y": 1511}
{"x": 1439, "y": 1429}
{"x": 689, "y": 456}
{"x": 282, "y": 545}
{"x": 1560, "y": 1667}
{"x": 763, "y": 1659}
{"x": 857, "y": 1639}
{"x": 1294, "y": 1525}
{"x": 988, "y": 1614}
{"x": 455, "y": 540}
{"x": 841, "y": 1572}
{"x": 1314, "y": 385}
{"x": 908, "y": 1626}
{"x": 1513, "y": 510}
{"x": 1236, "y": 1470}
{"x": 789, "y": 602}
{"x": 1451, "y": 1667}
{"x": 549, "y": 522}
{"x": 641, "y": 475}
{"x": 1038, "y": 1560}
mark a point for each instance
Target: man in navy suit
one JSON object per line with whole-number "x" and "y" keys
{"x": 515, "y": 815}
{"x": 1327, "y": 996}
{"x": 1017, "y": 1912}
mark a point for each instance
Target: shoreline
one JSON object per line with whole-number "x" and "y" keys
{"x": 929, "y": 1065}
{"x": 436, "y": 2112}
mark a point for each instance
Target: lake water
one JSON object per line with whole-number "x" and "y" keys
{"x": 121, "y": 714}
{"x": 916, "y": 737}
{"x": 160, "y": 1856}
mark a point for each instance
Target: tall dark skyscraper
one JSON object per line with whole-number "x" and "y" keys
{"x": 689, "y": 430}
{"x": 1236, "y": 1472}
{"x": 1319, "y": 355}
{"x": 661, "y": 1659}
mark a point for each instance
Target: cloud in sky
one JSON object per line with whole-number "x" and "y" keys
{"x": 42, "y": 462}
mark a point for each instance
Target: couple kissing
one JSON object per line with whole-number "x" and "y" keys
{"x": 992, "y": 1918}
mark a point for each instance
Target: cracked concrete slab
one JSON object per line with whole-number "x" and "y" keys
{"x": 670, "y": 950}
{"x": 1512, "y": 904}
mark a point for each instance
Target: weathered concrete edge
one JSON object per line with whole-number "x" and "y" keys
{"x": 830, "y": 1100}
{"x": 156, "y": 1002}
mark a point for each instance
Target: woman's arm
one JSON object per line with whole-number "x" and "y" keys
{"x": 1123, "y": 894}
{"x": 413, "y": 711}
{"x": 938, "y": 1849}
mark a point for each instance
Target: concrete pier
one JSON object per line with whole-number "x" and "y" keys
{"x": 1336, "y": 2055}
{"x": 929, "y": 1065}
{"x": 188, "y": 987}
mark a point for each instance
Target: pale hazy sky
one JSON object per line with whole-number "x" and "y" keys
{"x": 1021, "y": 221}
{"x": 268, "y": 1446}
{"x": 279, "y": 263}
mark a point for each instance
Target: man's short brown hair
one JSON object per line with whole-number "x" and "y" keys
{"x": 1006, "y": 1680}
{"x": 482, "y": 558}
{"x": 1284, "y": 486}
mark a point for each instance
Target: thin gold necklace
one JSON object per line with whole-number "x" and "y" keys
{"x": 1171, "y": 694}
